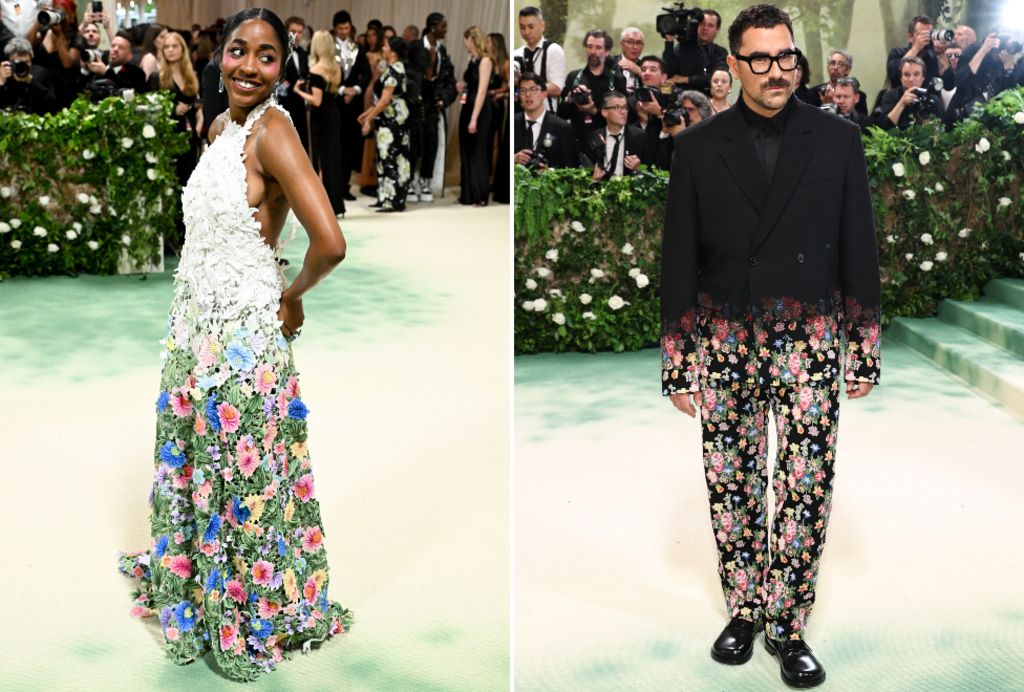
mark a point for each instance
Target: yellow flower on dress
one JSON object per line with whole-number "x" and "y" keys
{"x": 291, "y": 589}
{"x": 300, "y": 450}
{"x": 256, "y": 505}
{"x": 289, "y": 510}
{"x": 320, "y": 576}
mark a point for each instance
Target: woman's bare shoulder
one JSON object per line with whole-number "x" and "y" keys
{"x": 217, "y": 127}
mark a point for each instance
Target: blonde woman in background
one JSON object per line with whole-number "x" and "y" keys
{"x": 320, "y": 92}
{"x": 475, "y": 120}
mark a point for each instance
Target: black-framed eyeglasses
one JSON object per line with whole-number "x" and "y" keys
{"x": 759, "y": 63}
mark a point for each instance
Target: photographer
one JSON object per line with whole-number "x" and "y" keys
{"x": 653, "y": 98}
{"x": 846, "y": 101}
{"x": 540, "y": 56}
{"x": 910, "y": 103}
{"x": 919, "y": 36}
{"x": 57, "y": 48}
{"x": 839, "y": 65}
{"x": 631, "y": 43}
{"x": 121, "y": 72}
{"x": 584, "y": 88}
{"x": 618, "y": 148}
{"x": 983, "y": 71}
{"x": 542, "y": 140}
{"x": 24, "y": 86}
{"x": 692, "y": 62}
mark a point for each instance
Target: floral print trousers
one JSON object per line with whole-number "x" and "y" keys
{"x": 770, "y": 576}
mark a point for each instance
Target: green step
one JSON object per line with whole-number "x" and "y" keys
{"x": 993, "y": 370}
{"x": 1009, "y": 291}
{"x": 998, "y": 322}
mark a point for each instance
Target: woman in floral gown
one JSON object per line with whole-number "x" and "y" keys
{"x": 236, "y": 564}
{"x": 390, "y": 115}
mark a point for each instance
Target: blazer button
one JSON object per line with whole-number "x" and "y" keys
{"x": 753, "y": 261}
{"x": 800, "y": 258}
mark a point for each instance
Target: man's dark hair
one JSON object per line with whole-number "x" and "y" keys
{"x": 850, "y": 82}
{"x": 716, "y": 15}
{"x": 805, "y": 70}
{"x": 609, "y": 95}
{"x": 294, "y": 20}
{"x": 433, "y": 19}
{"x": 654, "y": 58}
{"x": 919, "y": 19}
{"x": 531, "y": 11}
{"x": 598, "y": 33}
{"x": 263, "y": 14}
{"x": 376, "y": 24}
{"x": 341, "y": 17}
{"x": 125, "y": 35}
{"x": 756, "y": 17}
{"x": 531, "y": 77}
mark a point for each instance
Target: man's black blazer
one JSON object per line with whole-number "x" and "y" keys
{"x": 127, "y": 77}
{"x": 637, "y": 144}
{"x": 563, "y": 152}
{"x": 733, "y": 242}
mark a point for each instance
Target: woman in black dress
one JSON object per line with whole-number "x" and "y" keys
{"x": 320, "y": 92}
{"x": 174, "y": 73}
{"x": 390, "y": 116}
{"x": 498, "y": 90}
{"x": 475, "y": 120}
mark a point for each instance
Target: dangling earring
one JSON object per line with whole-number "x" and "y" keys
{"x": 220, "y": 84}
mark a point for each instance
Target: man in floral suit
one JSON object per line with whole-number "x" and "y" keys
{"x": 770, "y": 303}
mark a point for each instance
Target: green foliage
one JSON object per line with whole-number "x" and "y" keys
{"x": 69, "y": 184}
{"x": 944, "y": 183}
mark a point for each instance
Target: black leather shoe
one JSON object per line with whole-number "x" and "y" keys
{"x": 797, "y": 665}
{"x": 735, "y": 644}
{"x": 349, "y": 197}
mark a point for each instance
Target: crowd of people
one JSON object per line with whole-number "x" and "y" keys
{"x": 342, "y": 87}
{"x": 621, "y": 110}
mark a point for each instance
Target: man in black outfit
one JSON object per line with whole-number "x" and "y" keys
{"x": 983, "y": 71}
{"x": 355, "y": 78}
{"x": 919, "y": 45}
{"x": 769, "y": 269}
{"x": 903, "y": 106}
{"x": 24, "y": 86}
{"x": 297, "y": 68}
{"x": 846, "y": 95}
{"x": 586, "y": 87}
{"x": 122, "y": 72}
{"x": 692, "y": 64}
{"x": 617, "y": 148}
{"x": 839, "y": 65}
{"x": 437, "y": 93}
{"x": 540, "y": 132}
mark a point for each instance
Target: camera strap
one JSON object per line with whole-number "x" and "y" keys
{"x": 530, "y": 55}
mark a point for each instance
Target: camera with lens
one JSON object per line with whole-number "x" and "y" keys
{"x": 1006, "y": 41}
{"x": 92, "y": 55}
{"x": 675, "y": 116}
{"x": 942, "y": 35}
{"x": 99, "y": 89}
{"x": 539, "y": 157}
{"x": 48, "y": 17}
{"x": 680, "y": 22}
{"x": 830, "y": 107}
{"x": 581, "y": 98}
{"x": 923, "y": 95}
{"x": 21, "y": 68}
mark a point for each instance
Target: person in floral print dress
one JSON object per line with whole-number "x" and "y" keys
{"x": 770, "y": 304}
{"x": 237, "y": 564}
{"x": 390, "y": 115}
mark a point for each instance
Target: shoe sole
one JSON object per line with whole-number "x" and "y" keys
{"x": 792, "y": 683}
{"x": 732, "y": 661}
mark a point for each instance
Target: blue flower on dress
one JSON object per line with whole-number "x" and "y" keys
{"x": 206, "y": 382}
{"x": 282, "y": 547}
{"x": 240, "y": 511}
{"x": 240, "y": 357}
{"x": 161, "y": 401}
{"x": 185, "y": 614}
{"x": 171, "y": 455}
{"x": 161, "y": 547}
{"x": 212, "y": 529}
{"x": 213, "y": 581}
{"x": 262, "y": 628}
{"x": 211, "y": 412}
{"x": 297, "y": 409}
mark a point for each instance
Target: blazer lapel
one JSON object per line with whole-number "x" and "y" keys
{"x": 737, "y": 152}
{"x": 796, "y": 152}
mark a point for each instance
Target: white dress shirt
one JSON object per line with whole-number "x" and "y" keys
{"x": 554, "y": 66}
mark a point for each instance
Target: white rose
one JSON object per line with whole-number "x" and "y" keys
{"x": 71, "y": 235}
{"x": 909, "y": 194}
{"x": 119, "y": 170}
{"x": 52, "y": 248}
{"x": 95, "y": 209}
{"x": 148, "y": 131}
{"x": 44, "y": 201}
{"x": 558, "y": 318}
{"x": 543, "y": 272}
{"x": 5, "y": 192}
{"x": 898, "y": 170}
{"x": 585, "y": 298}
{"x": 1004, "y": 202}
{"x": 93, "y": 245}
{"x": 5, "y": 227}
{"x": 540, "y": 305}
{"x": 15, "y": 223}
{"x": 127, "y": 142}
{"x": 528, "y": 305}
{"x": 39, "y": 231}
{"x": 82, "y": 198}
{"x": 926, "y": 266}
{"x": 591, "y": 316}
{"x": 642, "y": 281}
{"x": 150, "y": 157}
{"x": 925, "y": 158}
{"x": 556, "y": 292}
{"x": 1018, "y": 117}
{"x": 890, "y": 238}
{"x": 16, "y": 244}
{"x": 1006, "y": 156}
{"x": 88, "y": 155}
{"x": 151, "y": 174}
{"x": 77, "y": 226}
{"x": 634, "y": 272}
{"x": 964, "y": 232}
{"x": 627, "y": 249}
{"x": 939, "y": 187}
{"x": 909, "y": 256}
{"x": 616, "y": 303}
{"x": 982, "y": 146}
{"x": 577, "y": 226}
{"x": 927, "y": 239}
{"x": 940, "y": 256}
{"x": 531, "y": 284}
{"x": 551, "y": 254}
{"x": 126, "y": 239}
{"x": 597, "y": 273}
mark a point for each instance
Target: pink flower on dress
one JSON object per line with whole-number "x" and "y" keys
{"x": 236, "y": 591}
{"x": 181, "y": 404}
{"x": 806, "y": 398}
{"x": 262, "y": 572}
{"x": 741, "y": 579}
{"x": 229, "y": 417}
{"x": 248, "y": 459}
{"x": 171, "y": 633}
{"x": 799, "y": 466}
{"x": 291, "y": 389}
{"x": 267, "y": 609}
{"x": 790, "y": 530}
{"x": 206, "y": 356}
{"x": 310, "y": 590}
{"x": 265, "y": 378}
{"x": 727, "y": 521}
{"x": 228, "y": 635}
{"x": 181, "y": 566}
{"x": 718, "y": 462}
{"x": 303, "y": 488}
{"x": 312, "y": 539}
{"x": 200, "y": 426}
{"x": 794, "y": 363}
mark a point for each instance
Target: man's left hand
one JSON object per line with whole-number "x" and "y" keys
{"x": 632, "y": 162}
{"x": 856, "y": 390}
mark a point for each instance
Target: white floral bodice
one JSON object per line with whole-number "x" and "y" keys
{"x": 228, "y": 275}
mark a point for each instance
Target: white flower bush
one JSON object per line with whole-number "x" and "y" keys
{"x": 16, "y": 244}
{"x": 591, "y": 316}
{"x": 39, "y": 231}
{"x": 15, "y": 223}
{"x": 926, "y": 266}
{"x": 983, "y": 145}
{"x": 540, "y": 305}
{"x": 88, "y": 154}
{"x": 627, "y": 249}
{"x": 939, "y": 187}
{"x": 543, "y": 272}
{"x": 927, "y": 239}
{"x": 93, "y": 245}
{"x": 1018, "y": 117}
{"x": 909, "y": 194}
{"x": 597, "y": 273}
{"x": 127, "y": 142}
{"x": 634, "y": 272}
{"x": 909, "y": 256}
{"x": 585, "y": 298}
{"x": 151, "y": 157}
{"x": 82, "y": 198}
{"x": 924, "y": 158}
{"x": 890, "y": 239}
{"x": 126, "y": 239}
{"x": 70, "y": 234}
{"x": 5, "y": 192}
{"x": 642, "y": 281}
{"x": 964, "y": 232}
{"x": 528, "y": 305}
{"x": 52, "y": 248}
{"x": 148, "y": 131}
{"x": 1006, "y": 156}
{"x": 4, "y": 227}
{"x": 940, "y": 256}
{"x": 558, "y": 318}
{"x": 899, "y": 170}
{"x": 616, "y": 303}
{"x": 44, "y": 201}
{"x": 1004, "y": 202}
{"x": 151, "y": 173}
{"x": 551, "y": 254}
{"x": 531, "y": 284}
{"x": 577, "y": 226}
{"x": 556, "y": 293}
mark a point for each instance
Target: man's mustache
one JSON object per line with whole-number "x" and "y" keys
{"x": 784, "y": 83}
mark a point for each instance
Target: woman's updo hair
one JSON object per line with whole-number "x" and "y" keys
{"x": 398, "y": 46}
{"x": 236, "y": 20}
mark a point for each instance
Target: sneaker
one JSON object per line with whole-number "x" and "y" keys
{"x": 411, "y": 195}
{"x": 425, "y": 194}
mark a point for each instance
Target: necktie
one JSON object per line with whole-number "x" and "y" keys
{"x": 529, "y": 133}
{"x": 613, "y": 163}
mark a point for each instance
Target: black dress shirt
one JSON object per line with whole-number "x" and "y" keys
{"x": 766, "y": 134}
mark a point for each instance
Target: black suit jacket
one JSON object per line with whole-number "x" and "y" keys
{"x": 128, "y": 77}
{"x": 637, "y": 143}
{"x": 734, "y": 245}
{"x": 815, "y": 92}
{"x": 563, "y": 152}
{"x": 695, "y": 61}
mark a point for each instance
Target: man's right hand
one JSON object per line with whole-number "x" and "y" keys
{"x": 97, "y": 67}
{"x": 990, "y": 43}
{"x": 523, "y": 156}
{"x": 922, "y": 40}
{"x": 687, "y": 402}
{"x": 5, "y": 72}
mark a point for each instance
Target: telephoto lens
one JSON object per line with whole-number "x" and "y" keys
{"x": 20, "y": 68}
{"x": 92, "y": 55}
{"x": 48, "y": 17}
{"x": 942, "y": 35}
